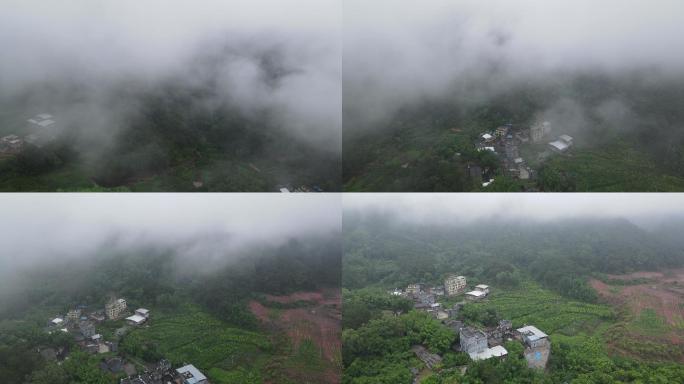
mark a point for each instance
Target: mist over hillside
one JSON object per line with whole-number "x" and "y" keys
{"x": 558, "y": 240}
{"x": 76, "y": 243}
{"x": 179, "y": 97}
{"x": 426, "y": 80}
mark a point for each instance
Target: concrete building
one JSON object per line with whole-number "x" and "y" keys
{"x": 114, "y": 308}
{"x": 539, "y": 130}
{"x": 136, "y": 320}
{"x": 472, "y": 340}
{"x": 498, "y": 335}
{"x": 532, "y": 336}
{"x": 562, "y": 144}
{"x": 487, "y": 138}
{"x": 191, "y": 375}
{"x": 501, "y": 131}
{"x": 495, "y": 351}
{"x": 474, "y": 343}
{"x": 11, "y": 144}
{"x": 73, "y": 316}
{"x": 425, "y": 298}
{"x": 537, "y": 346}
{"x": 454, "y": 284}
{"x": 437, "y": 291}
{"x": 143, "y": 312}
{"x": 414, "y": 289}
{"x": 475, "y": 295}
{"x": 57, "y": 321}
{"x": 97, "y": 316}
{"x": 523, "y": 173}
{"x": 482, "y": 288}
{"x": 87, "y": 329}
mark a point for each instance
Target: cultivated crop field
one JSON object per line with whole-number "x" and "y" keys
{"x": 531, "y": 304}
{"x": 614, "y": 168}
{"x": 200, "y": 339}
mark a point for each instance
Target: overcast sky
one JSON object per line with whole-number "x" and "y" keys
{"x": 397, "y": 51}
{"x": 464, "y": 207}
{"x": 95, "y": 44}
{"x": 51, "y": 227}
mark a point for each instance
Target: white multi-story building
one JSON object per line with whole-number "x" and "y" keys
{"x": 454, "y": 284}
{"x": 539, "y": 130}
{"x": 114, "y": 308}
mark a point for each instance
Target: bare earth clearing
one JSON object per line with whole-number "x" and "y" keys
{"x": 652, "y": 303}
{"x": 319, "y": 322}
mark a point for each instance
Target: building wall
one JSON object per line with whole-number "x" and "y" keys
{"x": 115, "y": 308}
{"x": 538, "y": 356}
{"x": 413, "y": 288}
{"x": 454, "y": 285}
{"x": 538, "y": 131}
{"x": 473, "y": 344}
{"x": 536, "y": 343}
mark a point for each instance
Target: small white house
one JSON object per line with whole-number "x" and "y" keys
{"x": 475, "y": 295}
{"x": 57, "y": 321}
{"x": 562, "y": 144}
{"x": 496, "y": 351}
{"x": 482, "y": 288}
{"x": 191, "y": 375}
{"x": 143, "y": 312}
{"x": 136, "y": 319}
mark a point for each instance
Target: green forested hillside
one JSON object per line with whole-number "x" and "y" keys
{"x": 200, "y": 314}
{"x": 558, "y": 255}
{"x": 627, "y": 131}
{"x": 538, "y": 274}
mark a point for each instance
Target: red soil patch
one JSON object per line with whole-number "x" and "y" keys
{"x": 319, "y": 322}
{"x": 663, "y": 292}
{"x": 258, "y": 310}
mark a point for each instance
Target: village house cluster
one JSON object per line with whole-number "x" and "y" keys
{"x": 163, "y": 373}
{"x": 479, "y": 344}
{"x": 484, "y": 344}
{"x": 83, "y": 324}
{"x": 505, "y": 142}
{"x": 42, "y": 128}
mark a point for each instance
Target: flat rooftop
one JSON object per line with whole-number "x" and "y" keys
{"x": 191, "y": 374}
{"x": 532, "y": 332}
{"x": 496, "y": 351}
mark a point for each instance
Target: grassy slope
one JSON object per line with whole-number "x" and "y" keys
{"x": 71, "y": 177}
{"x": 617, "y": 168}
{"x": 225, "y": 353}
{"x": 554, "y": 314}
{"x": 413, "y": 145}
{"x": 578, "y": 323}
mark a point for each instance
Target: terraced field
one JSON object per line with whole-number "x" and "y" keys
{"x": 226, "y": 354}
{"x": 531, "y": 304}
{"x": 614, "y": 169}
